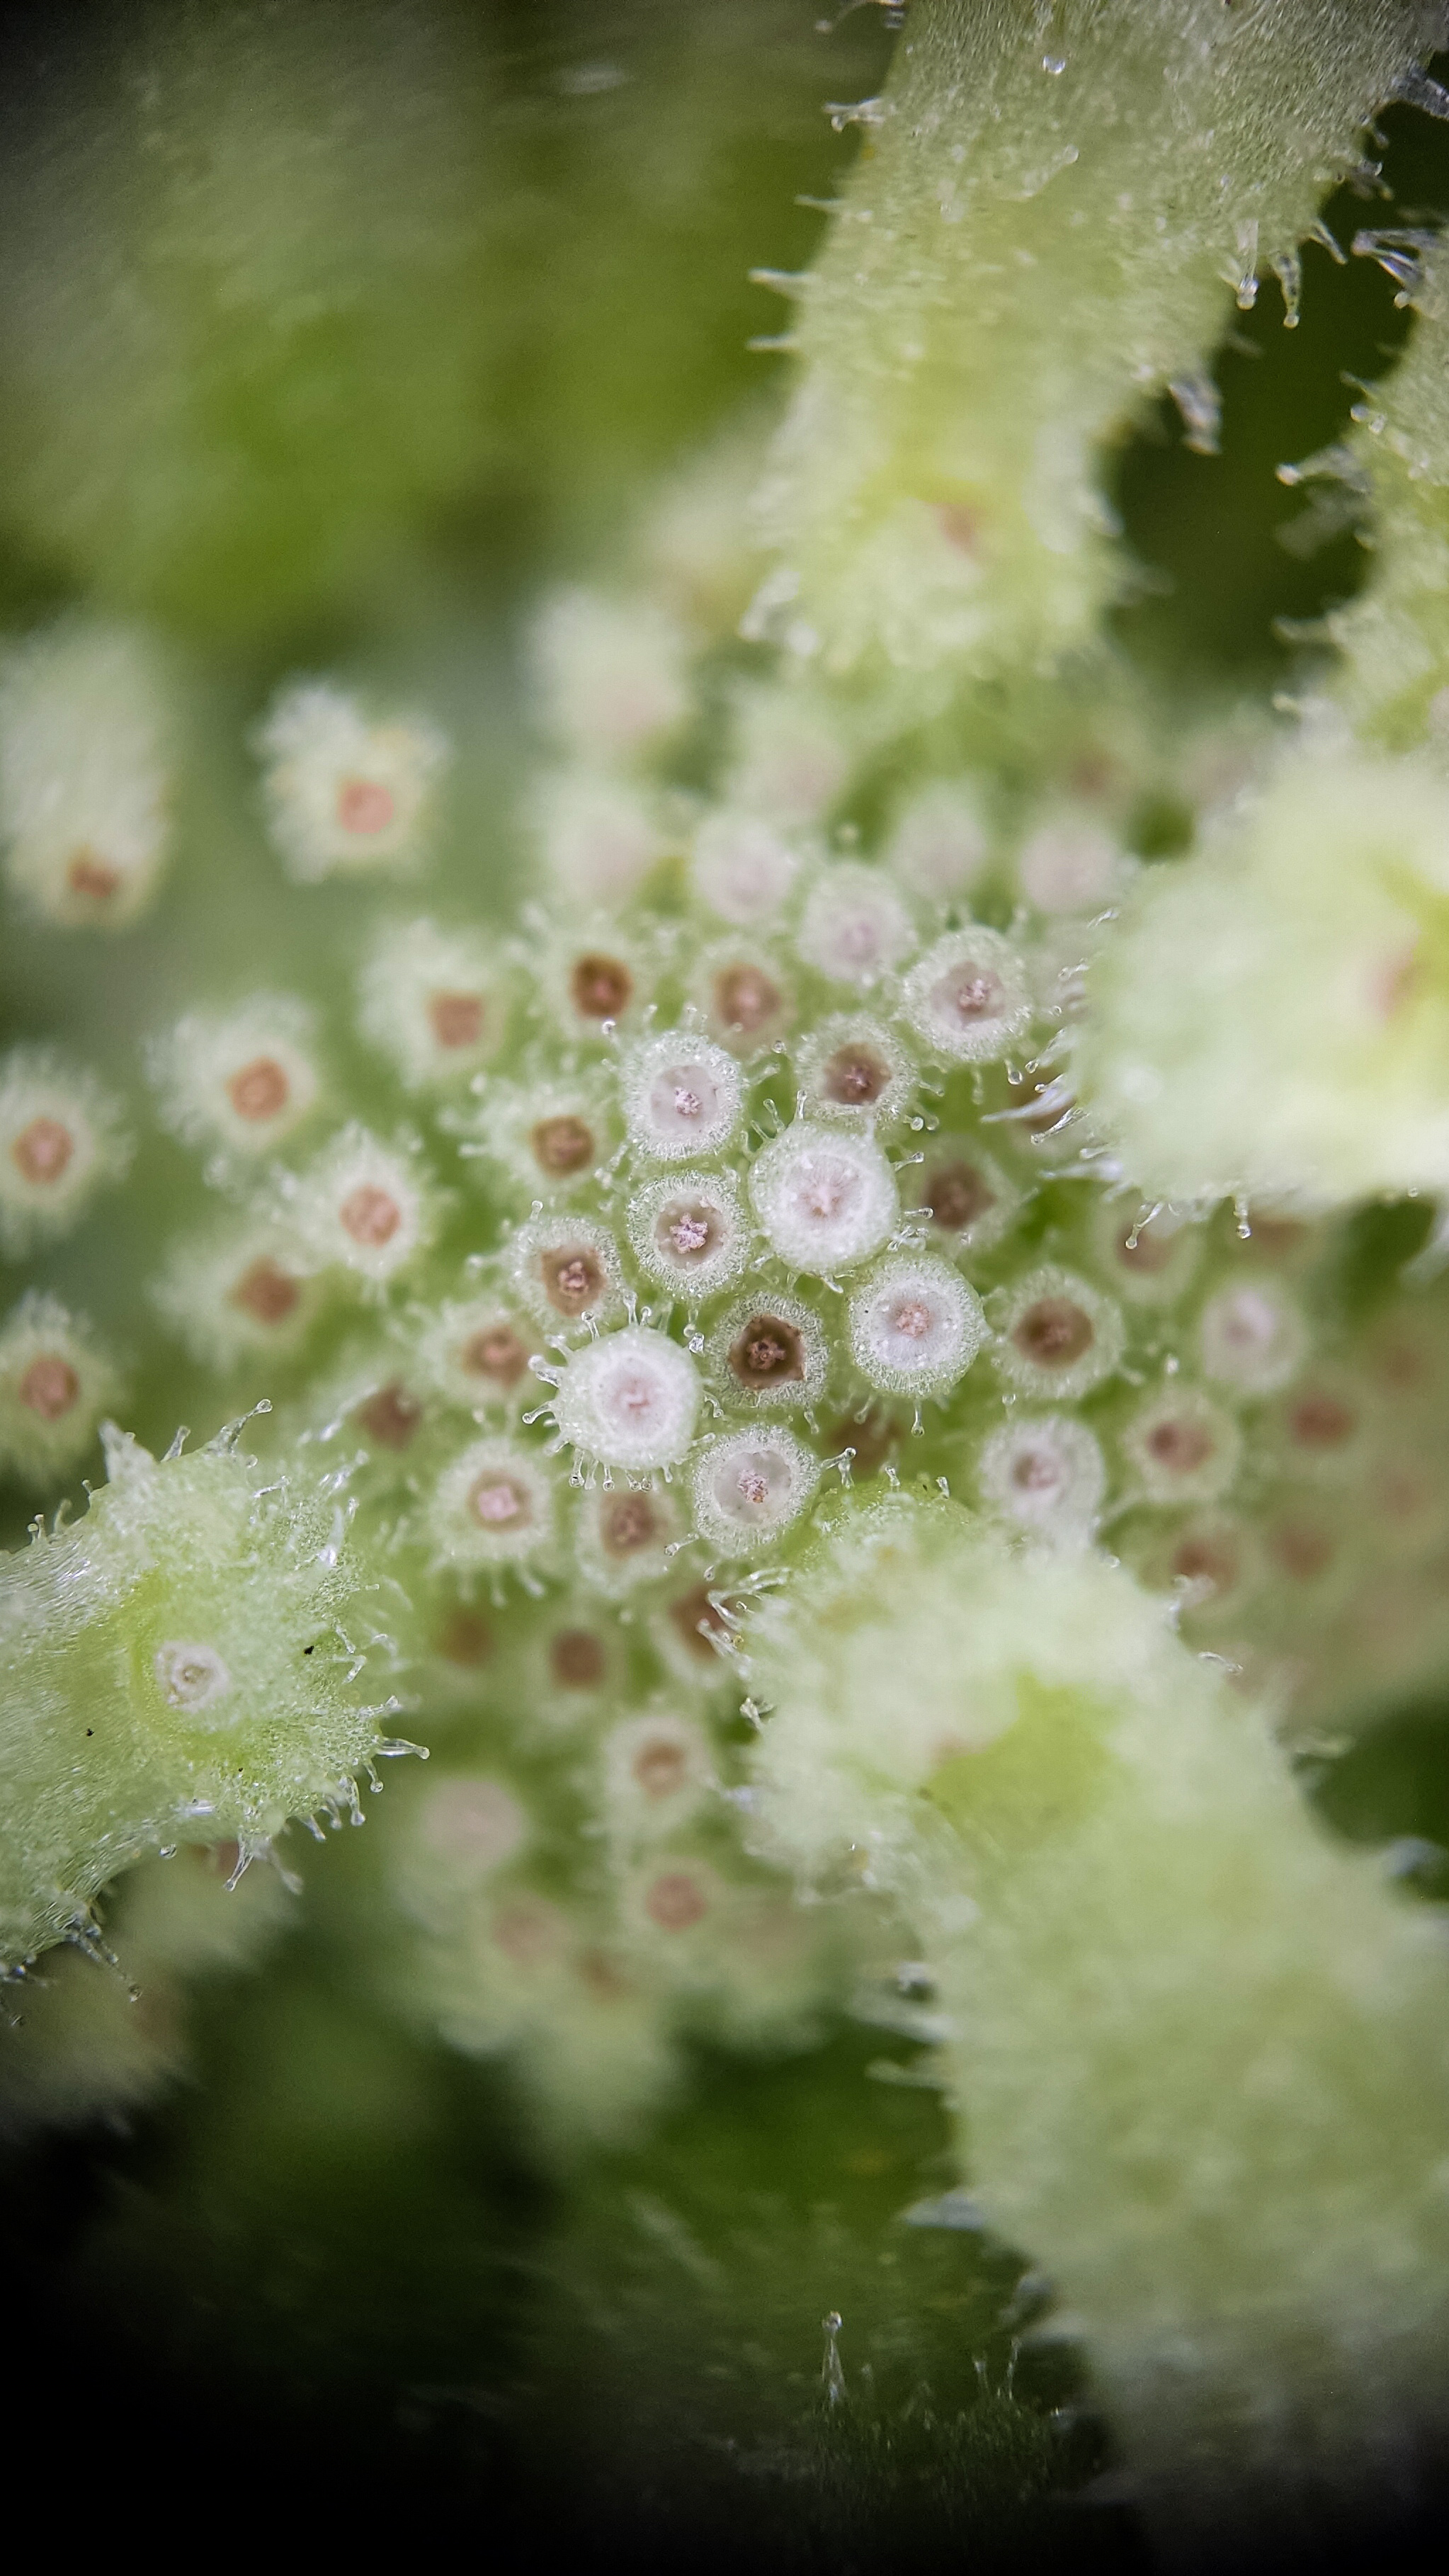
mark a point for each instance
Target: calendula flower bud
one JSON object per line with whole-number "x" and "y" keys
{"x": 433, "y": 1002}
{"x": 751, "y": 1486}
{"x": 242, "y": 1080}
{"x": 657, "y": 1772}
{"x": 967, "y": 998}
{"x": 475, "y": 1352}
{"x": 574, "y": 1666}
{"x": 791, "y": 755}
{"x": 1182, "y": 1447}
{"x": 825, "y": 1198}
{"x": 1044, "y": 1474}
{"x": 1070, "y": 865}
{"x": 967, "y": 1196}
{"x": 362, "y": 1206}
{"x": 854, "y": 928}
{"x": 771, "y": 1353}
{"x": 462, "y": 1830}
{"x": 1150, "y": 1259}
{"x": 626, "y": 1536}
{"x": 852, "y": 1070}
{"x": 1212, "y": 1561}
{"x": 682, "y": 1097}
{"x": 741, "y": 868}
{"x": 549, "y": 1140}
{"x": 630, "y": 1400}
{"x": 592, "y": 982}
{"x": 84, "y": 774}
{"x": 565, "y": 1272}
{"x": 1252, "y": 1338}
{"x": 1057, "y": 1335}
{"x": 691, "y": 1233}
{"x": 55, "y": 1383}
{"x": 692, "y": 1636}
{"x": 744, "y": 995}
{"x": 239, "y": 1291}
{"x": 939, "y": 846}
{"x": 612, "y": 673}
{"x": 676, "y": 1909}
{"x": 344, "y": 796}
{"x": 914, "y": 1326}
{"x": 492, "y": 1508}
{"x": 599, "y": 838}
{"x": 61, "y": 1137}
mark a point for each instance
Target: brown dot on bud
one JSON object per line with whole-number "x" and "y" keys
{"x": 365, "y": 806}
{"x": 370, "y": 1215}
{"x": 1300, "y": 1550}
{"x": 265, "y": 1292}
{"x": 660, "y": 1767}
{"x": 1142, "y": 1252}
{"x": 260, "y": 1090}
{"x": 1180, "y": 1446}
{"x": 698, "y": 1621}
{"x": 602, "y": 987}
{"x": 956, "y": 1194}
{"x": 497, "y": 1353}
{"x": 855, "y": 1077}
{"x": 960, "y": 525}
{"x": 687, "y": 1231}
{"x": 1320, "y": 1421}
{"x": 870, "y": 1441}
{"x": 745, "y": 998}
{"x": 92, "y": 877}
{"x": 1053, "y": 1333}
{"x": 456, "y": 1019}
{"x": 562, "y": 1146}
{"x": 466, "y": 1639}
{"x": 573, "y": 1280}
{"x": 499, "y": 1501}
{"x": 577, "y": 1660}
{"x": 527, "y": 1932}
{"x": 49, "y": 1386}
{"x": 604, "y": 1980}
{"x": 769, "y": 1352}
{"x": 1202, "y": 1559}
{"x": 675, "y": 1902}
{"x": 42, "y": 1150}
{"x": 628, "y": 1522}
{"x": 391, "y": 1416}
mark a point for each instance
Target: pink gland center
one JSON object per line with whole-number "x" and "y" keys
{"x": 675, "y": 1902}
{"x": 42, "y": 1150}
{"x": 259, "y": 1090}
{"x": 365, "y": 806}
{"x": 912, "y": 1319}
{"x": 370, "y": 1215}
{"x": 50, "y": 1386}
{"x": 499, "y": 1500}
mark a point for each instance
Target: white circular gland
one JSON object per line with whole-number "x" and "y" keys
{"x": 826, "y": 1199}
{"x": 630, "y": 1400}
{"x": 967, "y": 998}
{"x": 749, "y": 1487}
{"x": 682, "y": 1097}
{"x": 915, "y": 1326}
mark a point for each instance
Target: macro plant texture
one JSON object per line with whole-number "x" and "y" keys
{"x": 725, "y": 1127}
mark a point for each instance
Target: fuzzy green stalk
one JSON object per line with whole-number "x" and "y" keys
{"x": 1199, "y": 2050}
{"x": 1037, "y": 239}
{"x": 173, "y": 1669}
